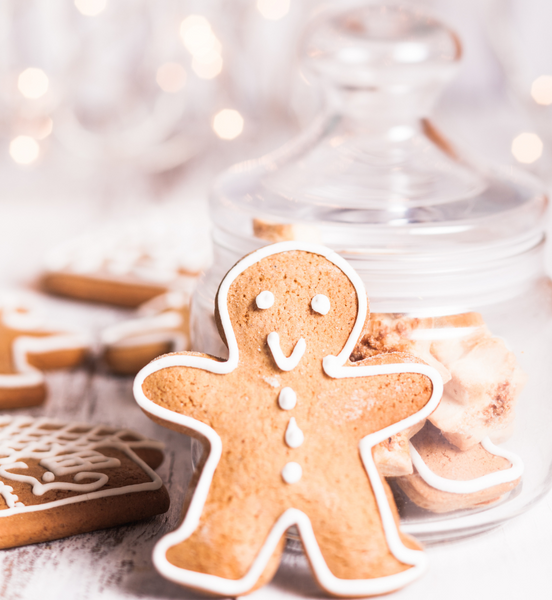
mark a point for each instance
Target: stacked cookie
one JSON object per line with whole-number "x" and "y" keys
{"x": 457, "y": 464}
{"x": 56, "y": 478}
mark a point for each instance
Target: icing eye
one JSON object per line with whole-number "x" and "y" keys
{"x": 320, "y": 304}
{"x": 264, "y": 300}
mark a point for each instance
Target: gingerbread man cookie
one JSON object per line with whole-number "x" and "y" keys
{"x": 29, "y": 346}
{"x": 59, "y": 479}
{"x": 289, "y": 425}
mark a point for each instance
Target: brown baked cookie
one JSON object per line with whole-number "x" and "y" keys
{"x": 285, "y": 232}
{"x": 163, "y": 326}
{"x": 127, "y": 265}
{"x": 392, "y": 456}
{"x": 448, "y": 479}
{"x": 59, "y": 479}
{"x": 289, "y": 426}
{"x": 383, "y": 333}
{"x": 481, "y": 375}
{"x": 28, "y": 346}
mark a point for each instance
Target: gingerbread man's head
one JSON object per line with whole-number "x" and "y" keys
{"x": 306, "y": 305}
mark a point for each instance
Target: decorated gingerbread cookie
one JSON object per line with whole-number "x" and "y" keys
{"x": 162, "y": 326}
{"x": 29, "y": 346}
{"x": 481, "y": 375}
{"x": 289, "y": 427}
{"x": 59, "y": 479}
{"x": 447, "y": 479}
{"x": 128, "y": 264}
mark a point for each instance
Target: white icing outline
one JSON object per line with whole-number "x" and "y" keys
{"x": 470, "y": 486}
{"x": 318, "y": 304}
{"x": 264, "y": 300}
{"x": 175, "y": 300}
{"x": 334, "y": 367}
{"x": 6, "y": 493}
{"x": 26, "y": 375}
{"x": 162, "y": 327}
{"x": 24, "y": 437}
{"x": 39, "y": 489}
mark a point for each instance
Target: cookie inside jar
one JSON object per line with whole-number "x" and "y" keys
{"x": 452, "y": 461}
{"x": 450, "y": 250}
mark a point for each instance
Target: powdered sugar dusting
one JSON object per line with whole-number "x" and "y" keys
{"x": 273, "y": 381}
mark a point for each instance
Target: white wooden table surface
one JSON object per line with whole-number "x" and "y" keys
{"x": 513, "y": 561}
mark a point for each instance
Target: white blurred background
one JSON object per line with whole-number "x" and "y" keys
{"x": 109, "y": 107}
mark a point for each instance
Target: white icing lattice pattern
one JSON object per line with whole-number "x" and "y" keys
{"x": 66, "y": 449}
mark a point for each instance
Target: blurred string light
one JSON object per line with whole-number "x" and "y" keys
{"x": 204, "y": 46}
{"x": 90, "y": 8}
{"x": 527, "y": 147}
{"x": 171, "y": 77}
{"x": 273, "y": 10}
{"x": 33, "y": 83}
{"x": 24, "y": 149}
{"x": 228, "y": 124}
{"x": 541, "y": 90}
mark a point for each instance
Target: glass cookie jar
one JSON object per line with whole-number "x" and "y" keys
{"x": 451, "y": 254}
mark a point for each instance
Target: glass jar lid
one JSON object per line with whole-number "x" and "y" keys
{"x": 372, "y": 177}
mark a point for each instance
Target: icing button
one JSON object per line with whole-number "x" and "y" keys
{"x": 48, "y": 476}
{"x": 294, "y": 436}
{"x": 321, "y": 304}
{"x": 287, "y": 398}
{"x": 264, "y": 300}
{"x": 292, "y": 472}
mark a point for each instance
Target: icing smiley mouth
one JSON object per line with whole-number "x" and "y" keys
{"x": 285, "y": 363}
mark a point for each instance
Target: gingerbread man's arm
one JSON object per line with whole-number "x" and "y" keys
{"x": 393, "y": 364}
{"x": 195, "y": 381}
{"x": 151, "y": 393}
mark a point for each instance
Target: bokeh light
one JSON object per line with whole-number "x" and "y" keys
{"x": 33, "y": 83}
{"x": 541, "y": 90}
{"x": 228, "y": 124}
{"x": 204, "y": 46}
{"x": 24, "y": 150}
{"x": 90, "y": 8}
{"x": 171, "y": 77}
{"x": 273, "y": 9}
{"x": 527, "y": 147}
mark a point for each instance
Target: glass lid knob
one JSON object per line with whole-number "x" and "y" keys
{"x": 387, "y": 52}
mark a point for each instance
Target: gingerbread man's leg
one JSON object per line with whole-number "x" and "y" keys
{"x": 358, "y": 541}
{"x": 228, "y": 540}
